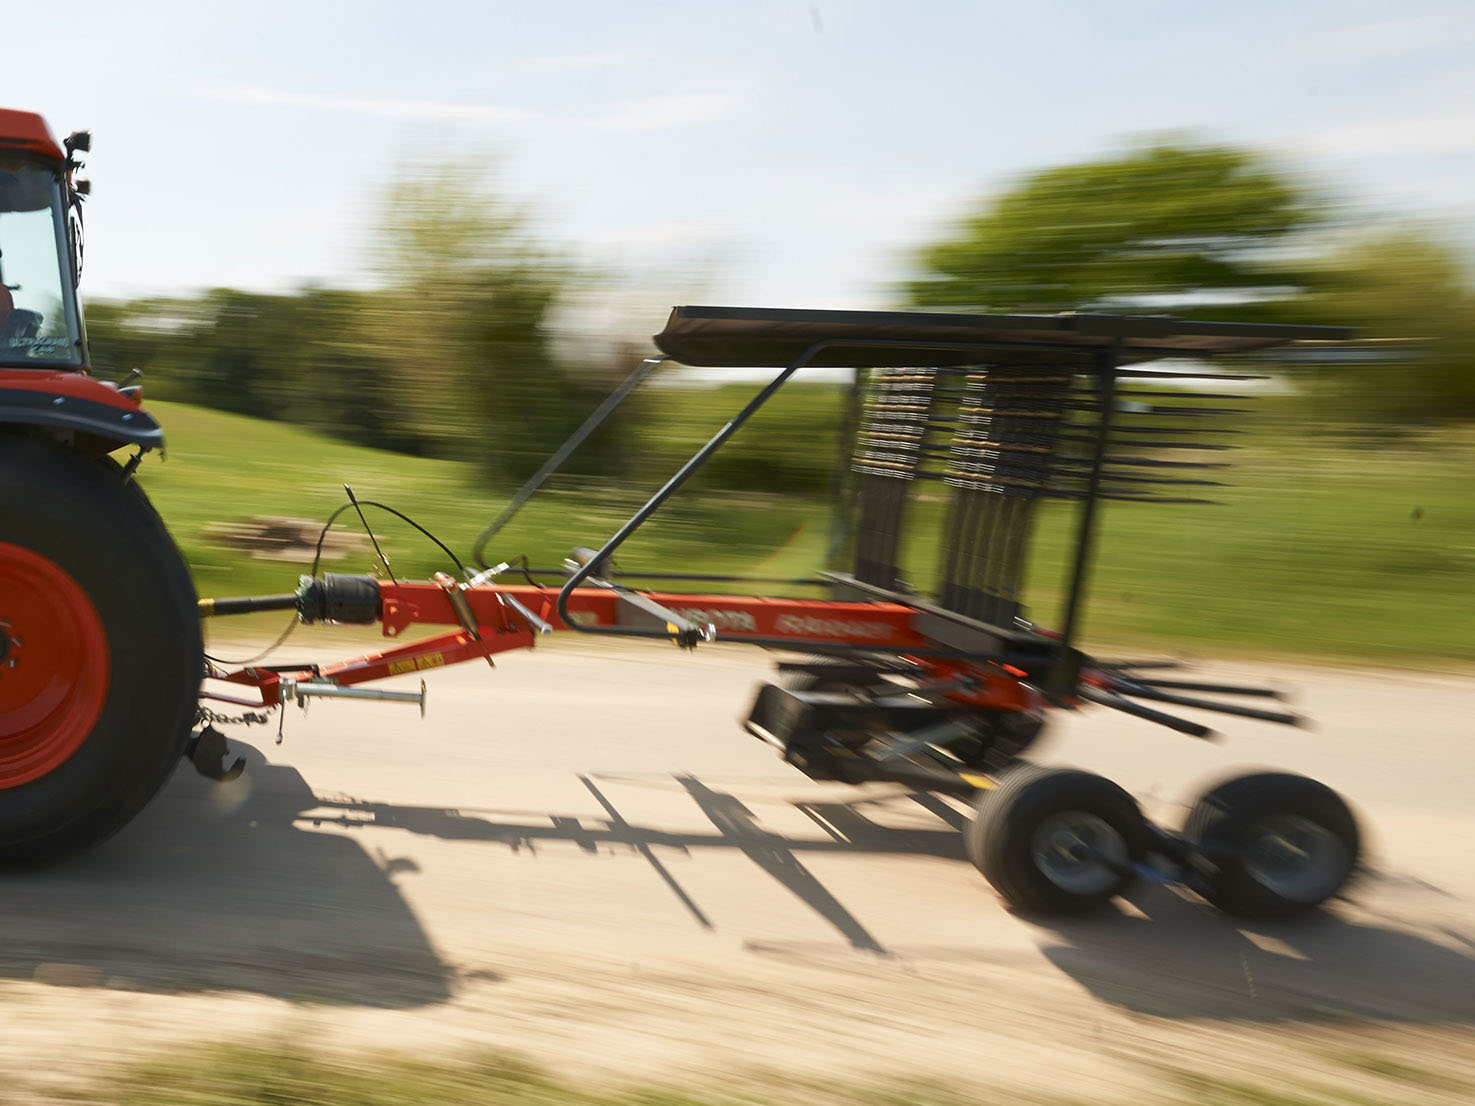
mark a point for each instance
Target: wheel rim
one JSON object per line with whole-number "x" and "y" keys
{"x": 1079, "y": 852}
{"x": 1296, "y": 858}
{"x": 53, "y": 665}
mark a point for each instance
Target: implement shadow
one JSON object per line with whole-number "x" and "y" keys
{"x": 775, "y": 855}
{"x": 847, "y": 829}
{"x": 1178, "y": 958}
{"x": 215, "y": 887}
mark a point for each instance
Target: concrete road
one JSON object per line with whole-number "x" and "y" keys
{"x": 581, "y": 857}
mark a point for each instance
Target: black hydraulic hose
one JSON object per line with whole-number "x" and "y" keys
{"x": 209, "y": 607}
{"x": 317, "y": 555}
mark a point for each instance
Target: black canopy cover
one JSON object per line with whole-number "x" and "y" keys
{"x": 759, "y": 337}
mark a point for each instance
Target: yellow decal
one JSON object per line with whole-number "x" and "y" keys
{"x": 410, "y": 664}
{"x": 981, "y": 782}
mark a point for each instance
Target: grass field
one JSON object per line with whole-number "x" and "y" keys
{"x": 1327, "y": 547}
{"x": 274, "y": 1075}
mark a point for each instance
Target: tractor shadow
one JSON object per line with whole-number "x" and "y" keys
{"x": 1169, "y": 955}
{"x": 217, "y": 887}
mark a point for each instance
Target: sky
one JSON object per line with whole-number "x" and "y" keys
{"x": 787, "y": 154}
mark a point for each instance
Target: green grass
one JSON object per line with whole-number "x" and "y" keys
{"x": 268, "y": 1075}
{"x": 1326, "y": 547}
{"x": 223, "y": 467}
{"x": 1321, "y": 548}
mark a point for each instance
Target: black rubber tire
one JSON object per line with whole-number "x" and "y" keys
{"x": 1000, "y": 840}
{"x": 1220, "y": 826}
{"x": 108, "y": 538}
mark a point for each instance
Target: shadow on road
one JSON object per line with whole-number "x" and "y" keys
{"x": 216, "y": 887}
{"x": 775, "y": 855}
{"x": 1179, "y": 959}
{"x": 225, "y": 887}
{"x": 1171, "y": 956}
{"x": 848, "y": 830}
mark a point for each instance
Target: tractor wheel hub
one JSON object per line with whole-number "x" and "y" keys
{"x": 53, "y": 665}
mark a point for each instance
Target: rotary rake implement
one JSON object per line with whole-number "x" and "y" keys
{"x": 104, "y": 684}
{"x": 943, "y": 691}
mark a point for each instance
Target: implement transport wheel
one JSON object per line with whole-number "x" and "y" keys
{"x": 100, "y": 651}
{"x": 1272, "y": 844}
{"x": 1056, "y": 840}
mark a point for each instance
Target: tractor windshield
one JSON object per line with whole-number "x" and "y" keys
{"x": 38, "y": 312}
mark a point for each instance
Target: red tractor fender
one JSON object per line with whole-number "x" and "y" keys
{"x": 103, "y": 417}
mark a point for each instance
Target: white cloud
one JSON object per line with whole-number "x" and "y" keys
{"x": 379, "y": 108}
{"x": 1415, "y": 134}
{"x": 658, "y": 113}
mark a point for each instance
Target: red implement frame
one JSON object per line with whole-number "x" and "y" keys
{"x": 498, "y": 626}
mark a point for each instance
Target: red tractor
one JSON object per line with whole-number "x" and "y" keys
{"x": 100, "y": 647}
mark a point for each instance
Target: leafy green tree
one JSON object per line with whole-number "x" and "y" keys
{"x": 466, "y": 316}
{"x": 1413, "y": 298}
{"x": 1169, "y": 228}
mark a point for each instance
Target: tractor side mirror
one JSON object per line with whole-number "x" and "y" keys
{"x": 78, "y": 140}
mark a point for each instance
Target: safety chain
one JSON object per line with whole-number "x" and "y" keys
{"x": 247, "y": 718}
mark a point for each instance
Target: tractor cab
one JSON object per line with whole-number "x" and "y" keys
{"x": 40, "y": 322}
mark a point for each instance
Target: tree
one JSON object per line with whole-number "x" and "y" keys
{"x": 450, "y": 352}
{"x": 468, "y": 313}
{"x": 1406, "y": 286}
{"x": 1170, "y": 228}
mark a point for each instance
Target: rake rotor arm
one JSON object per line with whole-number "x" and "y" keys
{"x": 1126, "y": 706}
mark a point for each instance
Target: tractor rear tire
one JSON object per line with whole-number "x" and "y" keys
{"x": 102, "y": 651}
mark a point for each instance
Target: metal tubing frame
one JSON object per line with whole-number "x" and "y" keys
{"x": 850, "y": 416}
{"x": 683, "y": 474}
{"x": 562, "y": 453}
{"x": 692, "y": 577}
{"x": 1105, "y": 362}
